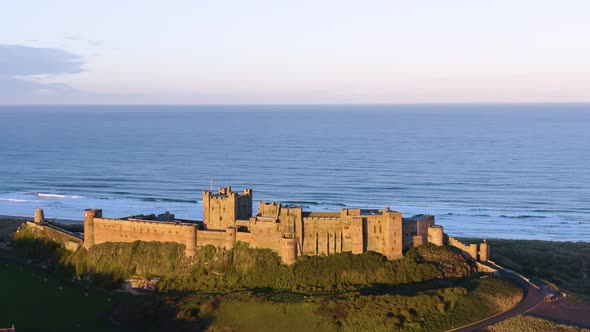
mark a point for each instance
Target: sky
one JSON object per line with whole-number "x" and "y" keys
{"x": 294, "y": 52}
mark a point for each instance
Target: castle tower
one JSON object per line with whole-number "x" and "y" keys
{"x": 190, "y": 242}
{"x": 436, "y": 235}
{"x": 484, "y": 251}
{"x": 221, "y": 210}
{"x": 392, "y": 234}
{"x": 358, "y": 230}
{"x": 39, "y": 216}
{"x": 89, "y": 215}
{"x": 230, "y": 237}
{"x": 288, "y": 250}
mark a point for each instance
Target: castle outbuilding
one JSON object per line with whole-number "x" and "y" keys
{"x": 285, "y": 229}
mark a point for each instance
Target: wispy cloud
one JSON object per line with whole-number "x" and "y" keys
{"x": 24, "y": 72}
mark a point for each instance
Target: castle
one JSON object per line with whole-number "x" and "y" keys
{"x": 286, "y": 229}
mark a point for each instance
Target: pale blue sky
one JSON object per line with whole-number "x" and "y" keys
{"x": 195, "y": 52}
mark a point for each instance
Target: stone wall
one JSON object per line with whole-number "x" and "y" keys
{"x": 215, "y": 238}
{"x": 469, "y": 250}
{"x": 436, "y": 235}
{"x": 125, "y": 230}
{"x": 323, "y": 235}
{"x": 265, "y": 234}
{"x": 68, "y": 239}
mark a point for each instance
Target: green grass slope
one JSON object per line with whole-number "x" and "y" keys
{"x": 36, "y": 301}
{"x": 430, "y": 289}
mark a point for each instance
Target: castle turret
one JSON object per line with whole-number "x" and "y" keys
{"x": 288, "y": 251}
{"x": 230, "y": 237}
{"x": 484, "y": 251}
{"x": 89, "y": 215}
{"x": 190, "y": 242}
{"x": 39, "y": 216}
{"x": 435, "y": 235}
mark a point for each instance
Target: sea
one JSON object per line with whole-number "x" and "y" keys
{"x": 515, "y": 171}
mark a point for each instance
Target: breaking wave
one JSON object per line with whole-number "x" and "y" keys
{"x": 168, "y": 200}
{"x": 12, "y": 200}
{"x": 312, "y": 203}
{"x": 521, "y": 216}
{"x": 44, "y": 195}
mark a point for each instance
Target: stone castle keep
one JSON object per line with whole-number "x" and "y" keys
{"x": 286, "y": 229}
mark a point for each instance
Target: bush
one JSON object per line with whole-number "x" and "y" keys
{"x": 242, "y": 267}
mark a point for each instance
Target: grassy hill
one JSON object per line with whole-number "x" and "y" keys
{"x": 432, "y": 288}
{"x": 35, "y": 300}
{"x": 243, "y": 267}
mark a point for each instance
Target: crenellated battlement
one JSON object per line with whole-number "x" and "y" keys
{"x": 222, "y": 209}
{"x": 286, "y": 229}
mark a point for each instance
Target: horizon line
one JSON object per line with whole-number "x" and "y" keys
{"x": 301, "y": 104}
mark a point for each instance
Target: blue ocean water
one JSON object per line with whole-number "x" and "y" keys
{"x": 487, "y": 171}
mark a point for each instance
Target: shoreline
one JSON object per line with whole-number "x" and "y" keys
{"x": 67, "y": 222}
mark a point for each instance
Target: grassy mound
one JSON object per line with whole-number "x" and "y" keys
{"x": 432, "y": 288}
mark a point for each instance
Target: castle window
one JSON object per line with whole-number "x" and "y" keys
{"x": 379, "y": 228}
{"x": 374, "y": 229}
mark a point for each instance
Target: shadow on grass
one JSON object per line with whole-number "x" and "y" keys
{"x": 191, "y": 311}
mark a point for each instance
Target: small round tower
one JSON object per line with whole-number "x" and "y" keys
{"x": 484, "y": 251}
{"x": 39, "y": 216}
{"x": 436, "y": 235}
{"x": 288, "y": 251}
{"x": 230, "y": 237}
{"x": 190, "y": 242}
{"x": 89, "y": 215}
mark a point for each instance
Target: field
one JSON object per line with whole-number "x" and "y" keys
{"x": 527, "y": 323}
{"x": 34, "y": 300}
{"x": 565, "y": 264}
{"x": 418, "y": 307}
{"x": 266, "y": 316}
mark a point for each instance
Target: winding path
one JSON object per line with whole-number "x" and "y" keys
{"x": 533, "y": 296}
